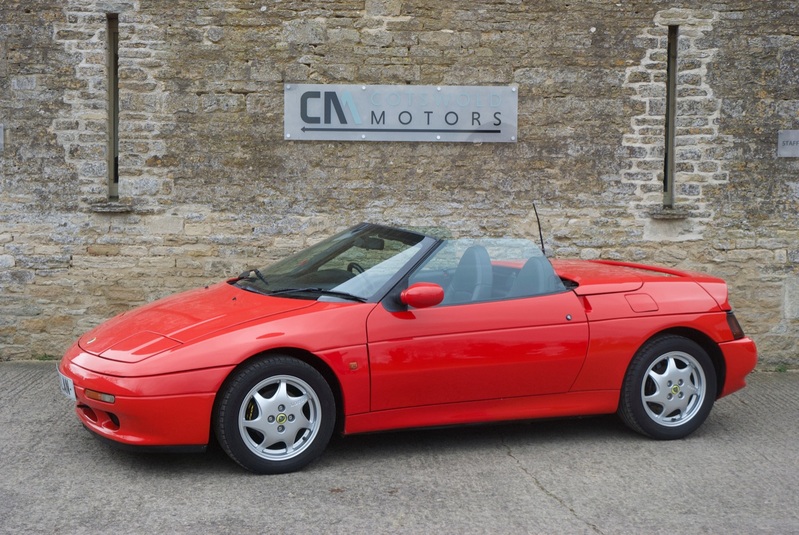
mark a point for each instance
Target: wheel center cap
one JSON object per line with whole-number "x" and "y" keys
{"x": 675, "y": 389}
{"x": 281, "y": 418}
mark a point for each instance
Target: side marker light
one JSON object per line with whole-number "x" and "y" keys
{"x": 99, "y": 396}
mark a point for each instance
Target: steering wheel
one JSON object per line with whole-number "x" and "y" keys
{"x": 355, "y": 267}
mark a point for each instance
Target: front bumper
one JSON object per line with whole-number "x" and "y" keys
{"x": 169, "y": 410}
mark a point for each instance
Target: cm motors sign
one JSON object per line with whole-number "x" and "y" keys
{"x": 477, "y": 114}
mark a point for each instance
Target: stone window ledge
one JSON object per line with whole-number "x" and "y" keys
{"x": 111, "y": 207}
{"x": 669, "y": 213}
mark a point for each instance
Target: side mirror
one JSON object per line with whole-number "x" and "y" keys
{"x": 422, "y": 295}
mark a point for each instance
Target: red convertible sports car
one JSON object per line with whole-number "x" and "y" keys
{"x": 381, "y": 328}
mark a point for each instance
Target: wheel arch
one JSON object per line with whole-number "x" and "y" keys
{"x": 705, "y": 342}
{"x": 302, "y": 355}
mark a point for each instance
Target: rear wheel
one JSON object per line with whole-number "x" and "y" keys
{"x": 669, "y": 388}
{"x": 275, "y": 415}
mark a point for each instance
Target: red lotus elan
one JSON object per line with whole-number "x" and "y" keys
{"x": 380, "y": 328}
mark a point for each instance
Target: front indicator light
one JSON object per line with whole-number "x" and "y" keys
{"x": 98, "y": 396}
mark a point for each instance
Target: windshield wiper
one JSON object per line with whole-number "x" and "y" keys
{"x": 246, "y": 276}
{"x": 322, "y": 291}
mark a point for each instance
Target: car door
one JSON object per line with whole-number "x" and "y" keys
{"x": 497, "y": 347}
{"x": 476, "y": 351}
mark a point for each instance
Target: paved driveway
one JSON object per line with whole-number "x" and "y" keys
{"x": 738, "y": 474}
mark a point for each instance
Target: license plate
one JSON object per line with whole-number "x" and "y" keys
{"x": 67, "y": 387}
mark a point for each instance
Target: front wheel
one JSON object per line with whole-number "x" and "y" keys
{"x": 275, "y": 415}
{"x": 669, "y": 388}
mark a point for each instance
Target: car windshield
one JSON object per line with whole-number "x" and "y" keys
{"x": 354, "y": 264}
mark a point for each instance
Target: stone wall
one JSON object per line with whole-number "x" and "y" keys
{"x": 208, "y": 185}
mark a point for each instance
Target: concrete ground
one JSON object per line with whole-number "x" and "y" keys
{"x": 738, "y": 474}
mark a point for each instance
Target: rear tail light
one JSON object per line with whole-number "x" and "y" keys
{"x": 735, "y": 327}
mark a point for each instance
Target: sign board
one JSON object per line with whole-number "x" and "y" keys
{"x": 426, "y": 113}
{"x": 788, "y": 144}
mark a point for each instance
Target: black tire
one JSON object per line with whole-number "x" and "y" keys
{"x": 669, "y": 388}
{"x": 275, "y": 415}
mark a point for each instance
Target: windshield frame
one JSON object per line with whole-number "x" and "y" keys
{"x": 308, "y": 259}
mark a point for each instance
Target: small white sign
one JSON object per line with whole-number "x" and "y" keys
{"x": 788, "y": 144}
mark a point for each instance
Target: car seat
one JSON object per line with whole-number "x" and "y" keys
{"x": 473, "y": 278}
{"x": 535, "y": 278}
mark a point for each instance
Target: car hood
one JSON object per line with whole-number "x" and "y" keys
{"x": 145, "y": 331}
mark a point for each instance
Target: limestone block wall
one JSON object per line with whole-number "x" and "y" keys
{"x": 208, "y": 185}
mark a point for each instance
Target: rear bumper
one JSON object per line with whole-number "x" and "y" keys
{"x": 740, "y": 357}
